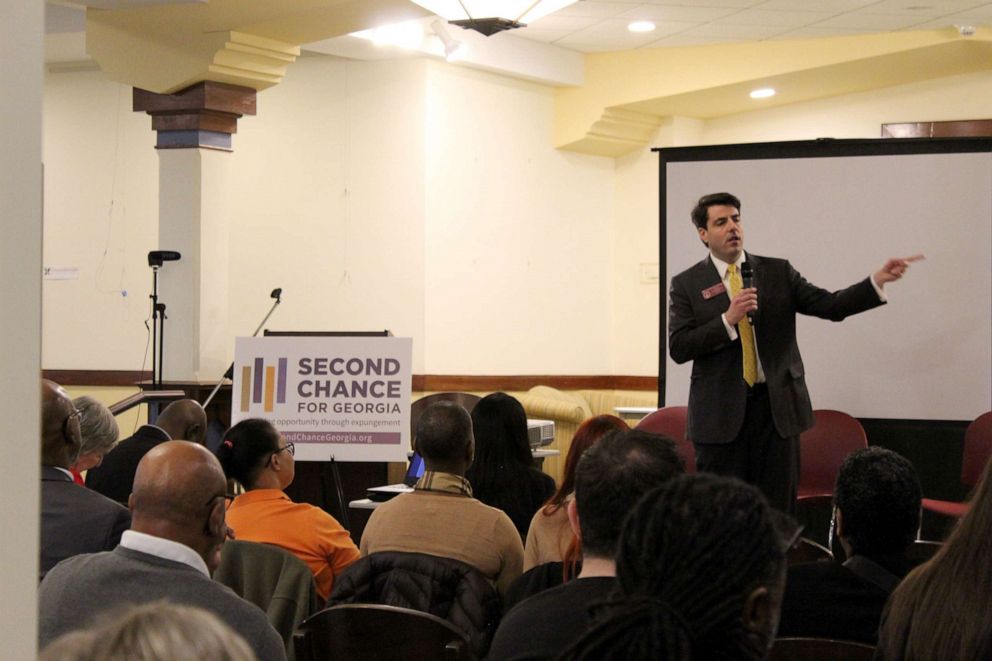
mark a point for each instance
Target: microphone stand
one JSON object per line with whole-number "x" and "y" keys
{"x": 229, "y": 374}
{"x": 160, "y": 310}
{"x": 155, "y": 310}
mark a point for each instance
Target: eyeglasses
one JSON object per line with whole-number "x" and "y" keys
{"x": 76, "y": 413}
{"x": 228, "y": 499}
{"x": 289, "y": 447}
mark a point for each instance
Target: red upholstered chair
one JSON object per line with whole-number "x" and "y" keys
{"x": 819, "y": 649}
{"x": 977, "y": 450}
{"x": 823, "y": 449}
{"x": 671, "y": 422}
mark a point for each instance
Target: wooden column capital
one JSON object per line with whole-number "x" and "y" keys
{"x": 202, "y": 115}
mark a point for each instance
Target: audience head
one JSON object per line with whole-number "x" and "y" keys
{"x": 700, "y": 573}
{"x": 99, "y": 430}
{"x": 588, "y": 434}
{"x": 878, "y": 498}
{"x": 184, "y": 420}
{"x": 254, "y": 454}
{"x": 501, "y": 441}
{"x": 611, "y": 477}
{"x": 61, "y": 436}
{"x": 444, "y": 438}
{"x": 941, "y": 610}
{"x": 157, "y": 631}
{"x": 700, "y": 212}
{"x": 179, "y": 494}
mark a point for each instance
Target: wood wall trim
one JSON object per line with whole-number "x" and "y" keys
{"x": 96, "y": 377}
{"x": 421, "y": 382}
{"x": 467, "y": 383}
{"x": 970, "y": 128}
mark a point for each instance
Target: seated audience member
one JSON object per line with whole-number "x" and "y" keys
{"x": 183, "y": 420}
{"x": 700, "y": 572}
{"x": 99, "y": 430}
{"x": 876, "y": 516}
{"x": 159, "y": 631}
{"x": 611, "y": 477}
{"x": 941, "y": 609}
{"x": 74, "y": 519}
{"x": 440, "y": 517}
{"x": 550, "y": 536}
{"x": 254, "y": 454}
{"x": 174, "y": 543}
{"x": 503, "y": 473}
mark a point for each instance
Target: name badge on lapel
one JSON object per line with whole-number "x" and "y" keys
{"x": 715, "y": 290}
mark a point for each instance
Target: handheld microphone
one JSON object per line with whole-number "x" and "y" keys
{"x": 747, "y": 280}
{"x": 157, "y": 257}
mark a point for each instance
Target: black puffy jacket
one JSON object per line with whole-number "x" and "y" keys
{"x": 447, "y": 588}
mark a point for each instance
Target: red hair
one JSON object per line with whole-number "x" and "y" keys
{"x": 587, "y": 435}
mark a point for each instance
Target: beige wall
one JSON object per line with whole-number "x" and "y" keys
{"x": 407, "y": 195}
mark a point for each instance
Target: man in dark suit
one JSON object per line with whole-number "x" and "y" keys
{"x": 74, "y": 519}
{"x": 748, "y": 401}
{"x": 877, "y": 514}
{"x": 180, "y": 420}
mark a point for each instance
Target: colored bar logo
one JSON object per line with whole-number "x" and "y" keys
{"x": 262, "y": 384}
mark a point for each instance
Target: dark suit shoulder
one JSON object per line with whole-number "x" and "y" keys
{"x": 114, "y": 477}
{"x": 544, "y": 625}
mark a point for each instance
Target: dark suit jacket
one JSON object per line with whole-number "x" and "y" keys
{"x": 76, "y": 520}
{"x": 115, "y": 476}
{"x": 829, "y": 600}
{"x": 717, "y": 392}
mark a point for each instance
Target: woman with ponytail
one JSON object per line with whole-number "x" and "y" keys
{"x": 700, "y": 573}
{"x": 255, "y": 455}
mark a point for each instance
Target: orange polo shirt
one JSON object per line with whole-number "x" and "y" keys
{"x": 311, "y": 534}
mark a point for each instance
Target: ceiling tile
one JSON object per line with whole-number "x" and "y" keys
{"x": 876, "y": 22}
{"x": 926, "y": 7}
{"x": 678, "y": 13}
{"x": 596, "y": 9}
{"x": 835, "y": 6}
{"x": 780, "y": 19}
{"x": 559, "y": 22}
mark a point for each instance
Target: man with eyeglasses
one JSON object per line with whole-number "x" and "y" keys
{"x": 74, "y": 519}
{"x": 178, "y": 504}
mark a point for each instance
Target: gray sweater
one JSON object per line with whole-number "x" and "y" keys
{"x": 77, "y": 590}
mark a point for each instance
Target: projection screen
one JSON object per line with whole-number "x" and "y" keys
{"x": 836, "y": 209}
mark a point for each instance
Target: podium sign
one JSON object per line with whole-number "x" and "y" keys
{"x": 346, "y": 397}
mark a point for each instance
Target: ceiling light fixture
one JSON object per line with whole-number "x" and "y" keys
{"x": 641, "y": 26}
{"x": 453, "y": 49}
{"x": 492, "y": 16}
{"x": 763, "y": 93}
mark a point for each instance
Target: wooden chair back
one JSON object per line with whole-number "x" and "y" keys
{"x": 371, "y": 632}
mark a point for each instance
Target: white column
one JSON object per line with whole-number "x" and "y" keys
{"x": 194, "y": 220}
{"x": 21, "y": 77}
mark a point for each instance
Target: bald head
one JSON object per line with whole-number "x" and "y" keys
{"x": 60, "y": 434}
{"x": 184, "y": 420}
{"x": 174, "y": 481}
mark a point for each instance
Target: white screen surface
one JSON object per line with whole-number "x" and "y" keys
{"x": 925, "y": 355}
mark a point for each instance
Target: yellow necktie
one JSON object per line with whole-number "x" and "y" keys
{"x": 745, "y": 331}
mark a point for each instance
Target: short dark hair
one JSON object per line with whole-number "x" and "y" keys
{"x": 700, "y": 212}
{"x": 878, "y": 493}
{"x": 245, "y": 449}
{"x": 612, "y": 476}
{"x": 690, "y": 554}
{"x": 444, "y": 430}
